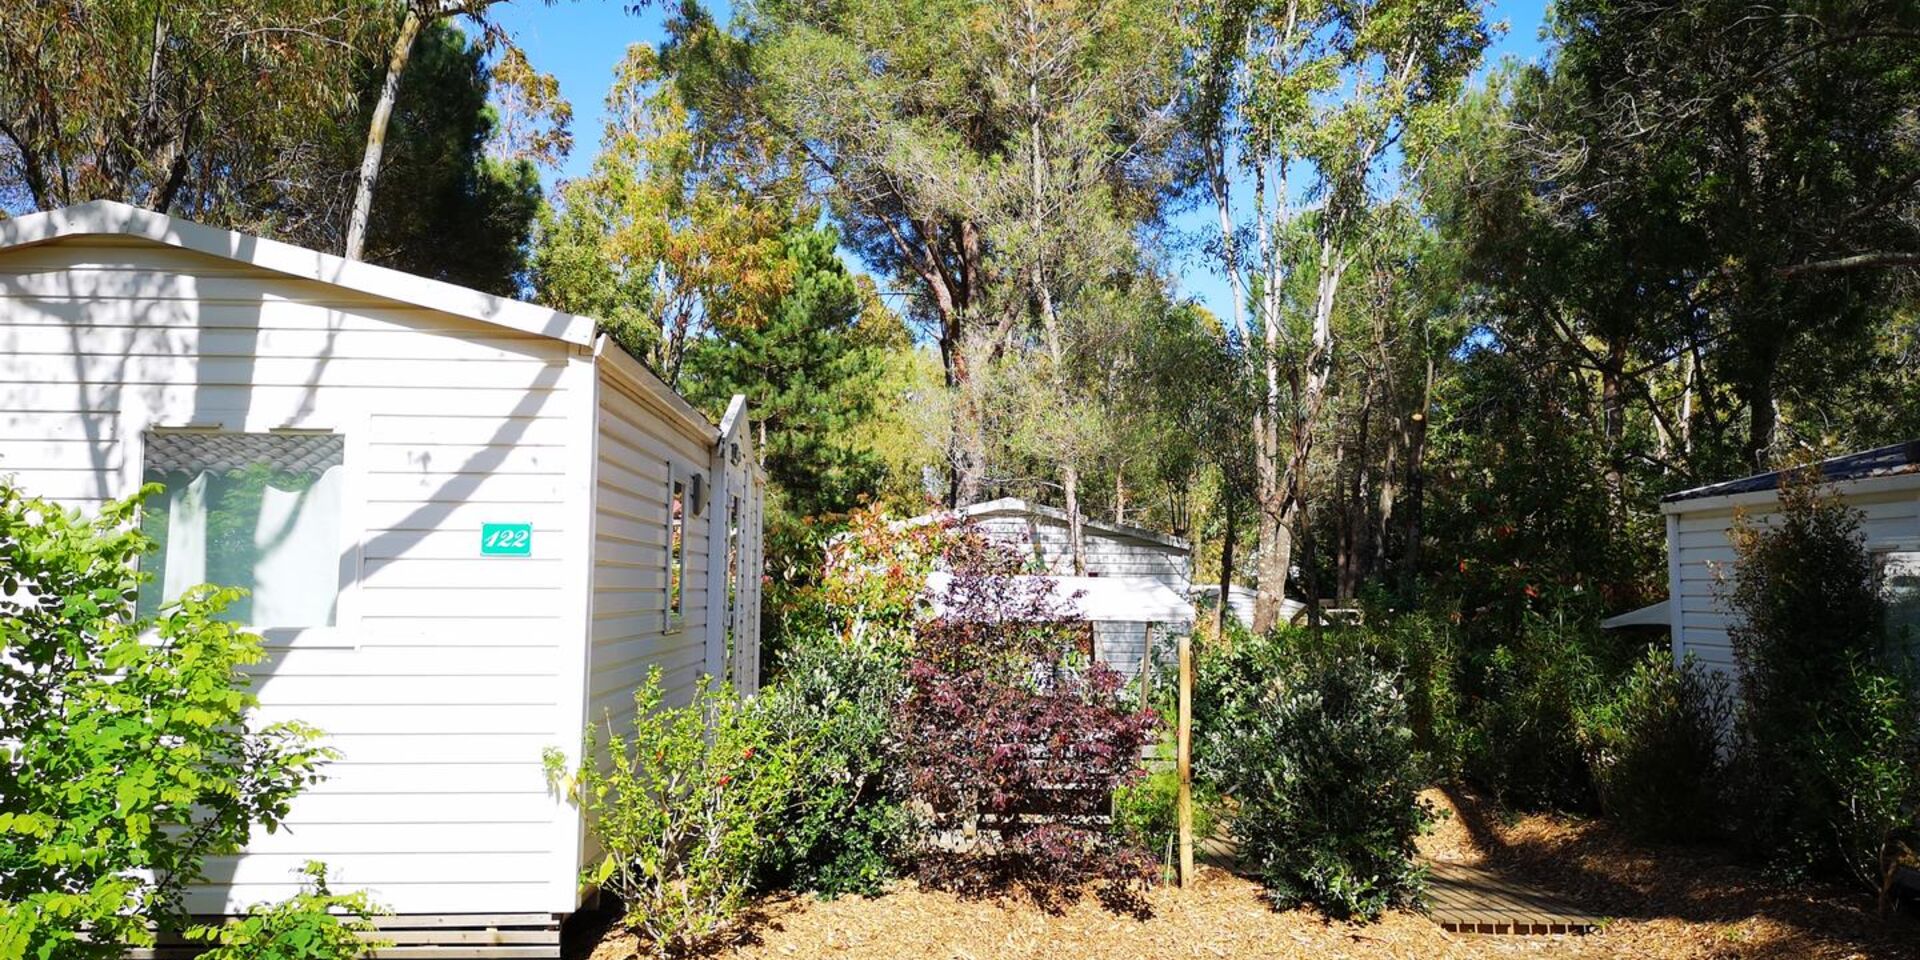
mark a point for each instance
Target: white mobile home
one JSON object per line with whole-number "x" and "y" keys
{"x": 469, "y": 525}
{"x": 1139, "y": 583}
{"x": 1882, "y": 484}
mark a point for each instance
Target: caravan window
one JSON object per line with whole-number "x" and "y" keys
{"x": 676, "y": 549}
{"x": 252, "y": 510}
{"x": 1898, "y": 572}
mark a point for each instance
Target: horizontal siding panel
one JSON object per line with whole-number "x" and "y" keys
{"x": 375, "y": 661}
{"x": 452, "y": 520}
{"x": 360, "y": 808}
{"x": 266, "y": 315}
{"x": 60, "y": 425}
{"x": 325, "y": 840}
{"x": 502, "y": 458}
{"x": 440, "y": 779}
{"x": 467, "y": 896}
{"x": 467, "y": 573}
{"x": 284, "y": 372}
{"x": 325, "y": 692}
{"x": 371, "y": 869}
{"x": 146, "y": 286}
{"x": 198, "y": 340}
{"x": 21, "y": 453}
{"x": 475, "y": 487}
{"x": 521, "y": 432}
{"x": 454, "y": 632}
{"x": 542, "y": 605}
{"x": 415, "y": 718}
{"x": 437, "y": 748}
{"x": 190, "y": 402}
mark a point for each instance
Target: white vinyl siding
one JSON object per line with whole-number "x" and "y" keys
{"x": 1108, "y": 555}
{"x": 441, "y": 683}
{"x": 641, "y": 451}
{"x": 1702, "y": 554}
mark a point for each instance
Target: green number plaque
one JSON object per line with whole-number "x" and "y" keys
{"x": 506, "y": 539}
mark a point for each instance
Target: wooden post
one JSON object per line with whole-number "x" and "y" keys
{"x": 1186, "y": 758}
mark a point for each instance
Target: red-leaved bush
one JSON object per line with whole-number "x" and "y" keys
{"x": 1012, "y": 738}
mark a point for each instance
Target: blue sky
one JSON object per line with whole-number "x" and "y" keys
{"x": 580, "y": 42}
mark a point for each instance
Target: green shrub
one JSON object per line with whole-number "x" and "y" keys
{"x": 1869, "y": 748}
{"x": 1426, "y": 651}
{"x": 124, "y": 761}
{"x": 846, "y": 827}
{"x": 1313, "y": 747}
{"x": 1825, "y": 728}
{"x": 1654, "y": 745}
{"x": 680, "y": 807}
{"x": 1523, "y": 741}
{"x": 314, "y": 924}
{"x": 1146, "y": 814}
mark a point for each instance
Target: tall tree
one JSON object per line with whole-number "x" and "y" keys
{"x": 963, "y": 145}
{"x": 810, "y": 369}
{"x": 1751, "y": 175}
{"x": 543, "y": 138}
{"x": 226, "y": 112}
{"x": 1308, "y": 109}
{"x": 673, "y": 233}
{"x": 451, "y": 211}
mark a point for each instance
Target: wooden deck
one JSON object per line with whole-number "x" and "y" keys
{"x": 459, "y": 936}
{"x": 1472, "y": 900}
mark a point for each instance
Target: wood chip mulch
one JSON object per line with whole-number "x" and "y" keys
{"x": 1662, "y": 902}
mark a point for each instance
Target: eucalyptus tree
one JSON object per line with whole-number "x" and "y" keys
{"x": 226, "y": 112}
{"x": 672, "y": 232}
{"x": 989, "y": 158}
{"x": 537, "y": 121}
{"x": 1310, "y": 114}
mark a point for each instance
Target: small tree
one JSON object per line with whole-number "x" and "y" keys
{"x": 1013, "y": 741}
{"x": 1826, "y": 754}
{"x": 1313, "y": 744}
{"x": 126, "y": 757}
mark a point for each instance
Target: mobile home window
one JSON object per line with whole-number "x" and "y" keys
{"x": 676, "y": 548}
{"x": 1898, "y": 572}
{"x": 733, "y": 576}
{"x": 251, "y": 510}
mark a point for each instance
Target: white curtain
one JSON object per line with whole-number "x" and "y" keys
{"x": 296, "y": 571}
{"x": 186, "y": 537}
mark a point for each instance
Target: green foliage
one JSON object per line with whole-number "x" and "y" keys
{"x": 1426, "y": 651}
{"x": 810, "y": 371}
{"x": 126, "y": 757}
{"x": 1826, "y": 745}
{"x": 314, "y": 924}
{"x": 1654, "y": 745}
{"x": 437, "y": 181}
{"x": 1310, "y": 738}
{"x": 845, "y": 827}
{"x": 682, "y": 807}
{"x": 1146, "y": 814}
{"x": 1528, "y": 694}
{"x": 222, "y": 111}
{"x": 1868, "y": 747}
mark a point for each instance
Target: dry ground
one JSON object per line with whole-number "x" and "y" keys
{"x": 1665, "y": 903}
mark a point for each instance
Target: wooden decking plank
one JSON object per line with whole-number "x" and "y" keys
{"x": 1470, "y": 899}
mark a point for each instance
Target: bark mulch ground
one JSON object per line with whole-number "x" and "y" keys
{"x": 1662, "y": 902}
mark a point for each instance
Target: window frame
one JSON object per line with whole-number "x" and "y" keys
{"x": 1877, "y": 553}
{"x": 673, "y": 605}
{"x": 351, "y": 424}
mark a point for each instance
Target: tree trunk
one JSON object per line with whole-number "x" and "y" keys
{"x": 1613, "y": 419}
{"x": 1226, "y": 564}
{"x": 1416, "y": 489}
{"x": 377, "y": 134}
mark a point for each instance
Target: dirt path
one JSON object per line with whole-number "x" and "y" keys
{"x": 1666, "y": 903}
